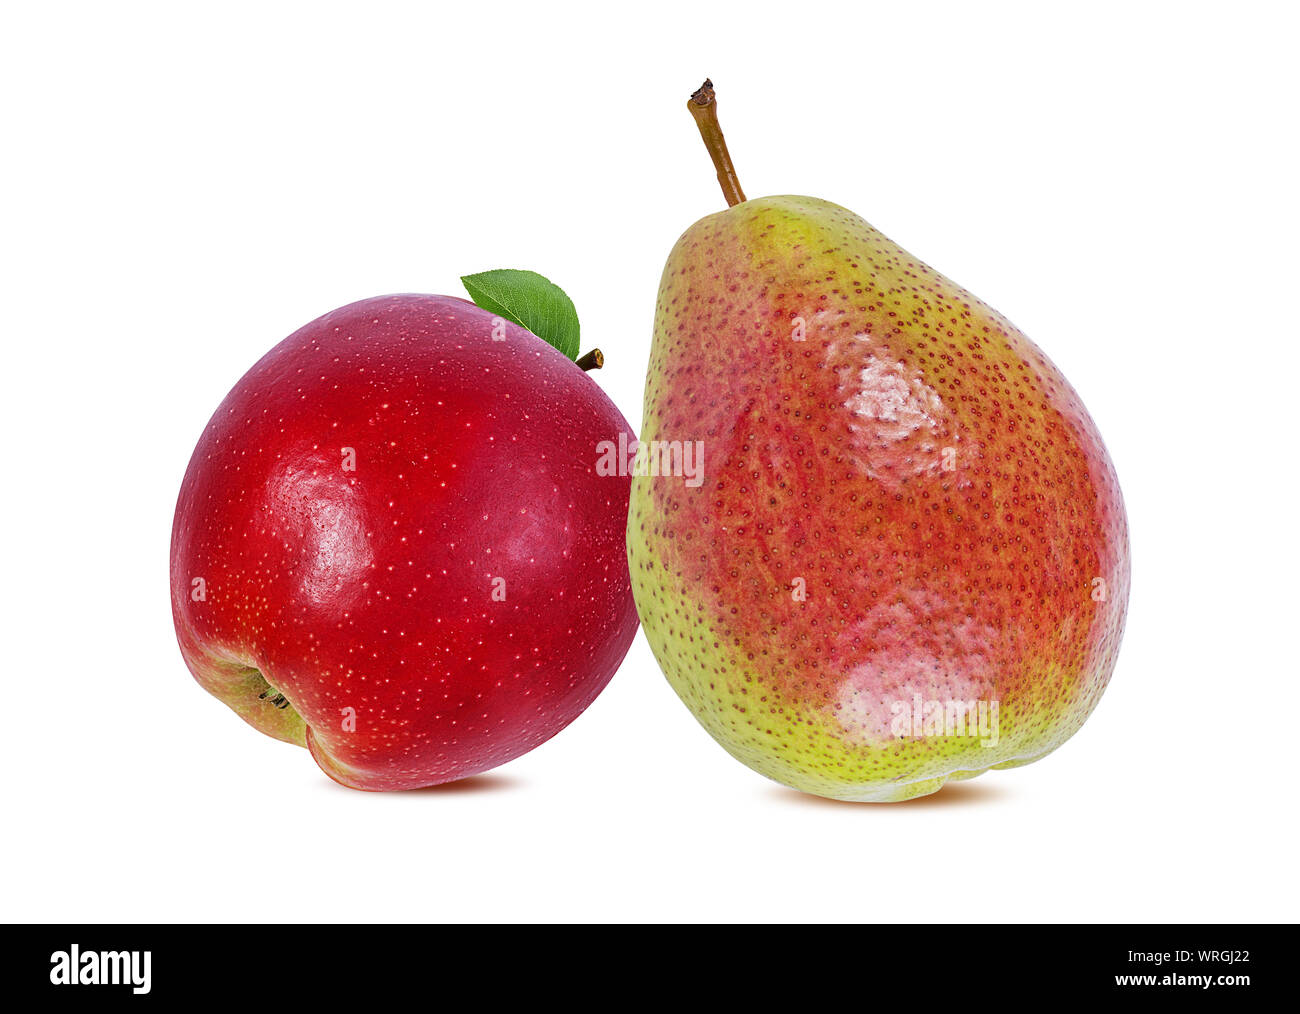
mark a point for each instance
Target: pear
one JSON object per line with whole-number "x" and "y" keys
{"x": 875, "y": 539}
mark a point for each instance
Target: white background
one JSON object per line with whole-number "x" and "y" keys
{"x": 182, "y": 188}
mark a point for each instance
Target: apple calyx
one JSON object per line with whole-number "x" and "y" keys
{"x": 278, "y": 701}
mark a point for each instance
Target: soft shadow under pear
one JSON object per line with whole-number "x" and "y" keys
{"x": 954, "y": 794}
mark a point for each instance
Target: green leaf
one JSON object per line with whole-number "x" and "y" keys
{"x": 529, "y": 300}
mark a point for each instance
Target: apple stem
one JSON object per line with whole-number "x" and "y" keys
{"x": 593, "y": 360}
{"x": 704, "y": 107}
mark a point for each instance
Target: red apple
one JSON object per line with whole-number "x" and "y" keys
{"x": 393, "y": 547}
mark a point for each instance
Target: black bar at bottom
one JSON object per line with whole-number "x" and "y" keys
{"x": 462, "y": 967}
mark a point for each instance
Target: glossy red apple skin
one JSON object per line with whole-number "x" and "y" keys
{"x": 445, "y": 600}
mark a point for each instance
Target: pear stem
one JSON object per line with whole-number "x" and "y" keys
{"x": 593, "y": 360}
{"x": 704, "y": 107}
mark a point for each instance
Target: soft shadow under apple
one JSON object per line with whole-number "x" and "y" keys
{"x": 472, "y": 786}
